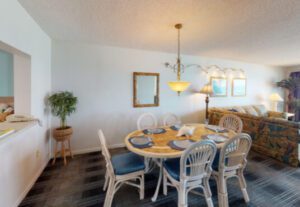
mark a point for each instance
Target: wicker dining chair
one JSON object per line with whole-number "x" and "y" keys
{"x": 231, "y": 162}
{"x": 170, "y": 119}
{"x": 121, "y": 169}
{"x": 233, "y": 122}
{"x": 191, "y": 171}
{"x": 146, "y": 120}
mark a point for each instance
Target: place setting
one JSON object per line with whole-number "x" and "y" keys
{"x": 217, "y": 138}
{"x": 215, "y": 128}
{"x": 141, "y": 142}
{"x": 183, "y": 131}
{"x": 154, "y": 131}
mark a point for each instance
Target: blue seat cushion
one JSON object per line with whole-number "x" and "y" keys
{"x": 173, "y": 167}
{"x": 127, "y": 163}
{"x": 215, "y": 164}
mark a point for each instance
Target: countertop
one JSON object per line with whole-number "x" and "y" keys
{"x": 17, "y": 126}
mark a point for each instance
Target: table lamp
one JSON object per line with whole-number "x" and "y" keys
{"x": 207, "y": 89}
{"x": 275, "y": 98}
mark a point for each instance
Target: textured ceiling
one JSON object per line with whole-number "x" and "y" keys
{"x": 258, "y": 31}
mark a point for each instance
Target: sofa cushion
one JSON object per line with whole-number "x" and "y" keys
{"x": 233, "y": 110}
{"x": 261, "y": 110}
{"x": 250, "y": 110}
{"x": 275, "y": 114}
{"x": 239, "y": 109}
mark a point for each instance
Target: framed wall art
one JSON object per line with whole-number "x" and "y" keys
{"x": 239, "y": 86}
{"x": 219, "y": 86}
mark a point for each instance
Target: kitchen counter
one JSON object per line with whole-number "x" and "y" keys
{"x": 19, "y": 127}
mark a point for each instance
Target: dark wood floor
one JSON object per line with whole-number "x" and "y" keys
{"x": 79, "y": 184}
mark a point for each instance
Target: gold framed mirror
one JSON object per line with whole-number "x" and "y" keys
{"x": 145, "y": 89}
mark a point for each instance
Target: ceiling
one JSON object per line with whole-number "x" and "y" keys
{"x": 258, "y": 31}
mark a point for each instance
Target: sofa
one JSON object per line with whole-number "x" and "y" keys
{"x": 272, "y": 134}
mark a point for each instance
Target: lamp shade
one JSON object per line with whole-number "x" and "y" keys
{"x": 179, "y": 86}
{"x": 207, "y": 89}
{"x": 275, "y": 97}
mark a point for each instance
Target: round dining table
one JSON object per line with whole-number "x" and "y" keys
{"x": 161, "y": 149}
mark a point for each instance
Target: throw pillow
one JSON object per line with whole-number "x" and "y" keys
{"x": 250, "y": 110}
{"x": 261, "y": 110}
{"x": 239, "y": 109}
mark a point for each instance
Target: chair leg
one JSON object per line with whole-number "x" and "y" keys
{"x": 182, "y": 196}
{"x": 142, "y": 187}
{"x": 106, "y": 181}
{"x": 109, "y": 193}
{"x": 222, "y": 192}
{"x": 165, "y": 181}
{"x": 207, "y": 192}
{"x": 243, "y": 185}
{"x": 55, "y": 152}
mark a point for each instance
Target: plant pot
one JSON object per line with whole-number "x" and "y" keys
{"x": 62, "y": 134}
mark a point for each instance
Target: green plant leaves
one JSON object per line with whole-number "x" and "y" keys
{"x": 62, "y": 104}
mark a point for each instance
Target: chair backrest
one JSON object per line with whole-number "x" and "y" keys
{"x": 233, "y": 122}
{"x": 105, "y": 152}
{"x": 234, "y": 153}
{"x": 146, "y": 120}
{"x": 196, "y": 161}
{"x": 170, "y": 119}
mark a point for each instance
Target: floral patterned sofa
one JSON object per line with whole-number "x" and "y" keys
{"x": 272, "y": 134}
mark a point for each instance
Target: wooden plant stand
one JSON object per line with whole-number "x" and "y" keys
{"x": 63, "y": 151}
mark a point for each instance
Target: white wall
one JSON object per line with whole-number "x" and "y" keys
{"x": 291, "y": 69}
{"x": 101, "y": 78}
{"x": 22, "y": 84}
{"x": 19, "y": 30}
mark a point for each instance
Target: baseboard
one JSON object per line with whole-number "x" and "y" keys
{"x": 31, "y": 183}
{"x": 86, "y": 150}
{"x": 96, "y": 149}
{"x": 116, "y": 146}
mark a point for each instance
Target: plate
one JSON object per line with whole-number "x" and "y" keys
{"x": 216, "y": 128}
{"x": 180, "y": 144}
{"x": 176, "y": 127}
{"x": 216, "y": 138}
{"x": 154, "y": 131}
{"x": 141, "y": 140}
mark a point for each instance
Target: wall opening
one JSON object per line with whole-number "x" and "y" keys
{"x": 15, "y": 80}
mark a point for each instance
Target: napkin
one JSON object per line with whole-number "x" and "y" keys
{"x": 186, "y": 130}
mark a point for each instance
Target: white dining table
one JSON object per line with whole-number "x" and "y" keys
{"x": 161, "y": 150}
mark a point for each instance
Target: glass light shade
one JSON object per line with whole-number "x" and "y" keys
{"x": 207, "y": 89}
{"x": 275, "y": 97}
{"x": 179, "y": 86}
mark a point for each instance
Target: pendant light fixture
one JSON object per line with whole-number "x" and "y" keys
{"x": 178, "y": 86}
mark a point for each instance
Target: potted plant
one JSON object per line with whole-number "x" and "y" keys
{"x": 291, "y": 84}
{"x": 62, "y": 104}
